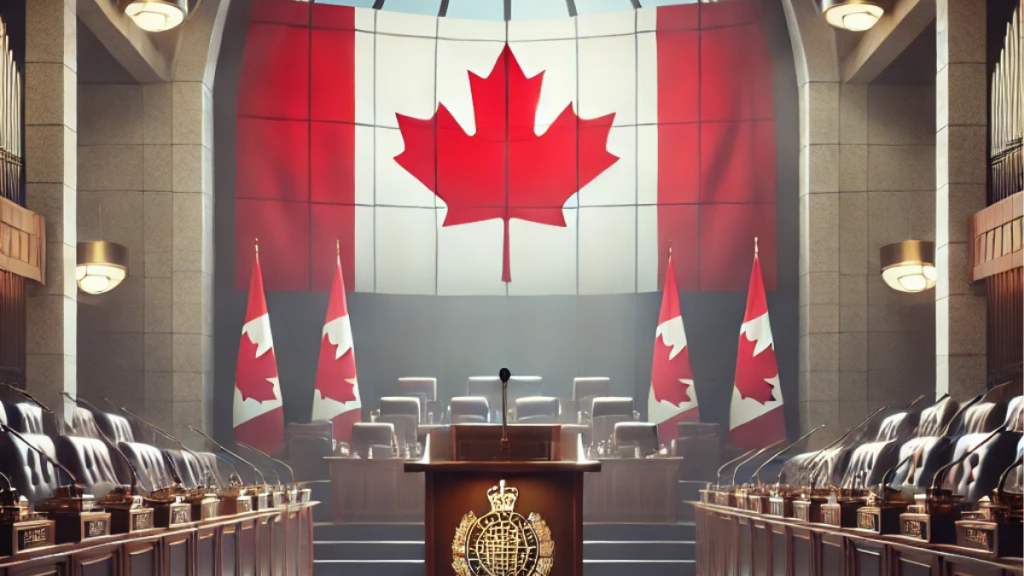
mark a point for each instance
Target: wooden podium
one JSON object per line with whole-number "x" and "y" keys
{"x": 461, "y": 466}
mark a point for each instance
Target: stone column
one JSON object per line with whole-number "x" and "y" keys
{"x": 960, "y": 171}
{"x": 50, "y": 169}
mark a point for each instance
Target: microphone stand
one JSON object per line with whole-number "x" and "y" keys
{"x": 69, "y": 506}
{"x": 22, "y": 529}
{"x": 125, "y": 506}
{"x": 881, "y": 514}
{"x": 258, "y": 500}
{"x": 761, "y": 500}
{"x": 723, "y": 497}
{"x": 43, "y": 407}
{"x": 296, "y": 495}
{"x": 741, "y": 492}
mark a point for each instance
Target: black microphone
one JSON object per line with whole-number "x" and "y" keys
{"x": 506, "y": 451}
{"x": 940, "y": 475}
{"x": 891, "y": 472}
{"x": 132, "y": 472}
{"x": 158, "y": 430}
{"x": 41, "y": 452}
{"x": 1003, "y": 477}
{"x": 756, "y": 454}
{"x": 271, "y": 468}
{"x": 757, "y": 473}
{"x": 43, "y": 407}
{"x": 269, "y": 457}
{"x": 221, "y": 446}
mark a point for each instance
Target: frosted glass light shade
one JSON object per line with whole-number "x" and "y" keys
{"x": 909, "y": 266}
{"x": 852, "y": 15}
{"x": 101, "y": 266}
{"x": 156, "y": 15}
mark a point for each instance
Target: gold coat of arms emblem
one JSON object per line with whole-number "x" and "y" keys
{"x": 502, "y": 542}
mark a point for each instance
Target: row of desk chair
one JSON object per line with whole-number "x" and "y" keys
{"x": 83, "y": 449}
{"x": 919, "y": 437}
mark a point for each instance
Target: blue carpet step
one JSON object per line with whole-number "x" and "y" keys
{"x": 367, "y": 550}
{"x": 639, "y": 550}
{"x": 644, "y": 567}
{"x": 368, "y": 568}
{"x": 684, "y": 531}
{"x": 368, "y": 532}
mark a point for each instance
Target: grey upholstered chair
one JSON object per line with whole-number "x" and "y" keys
{"x": 537, "y": 410}
{"x": 468, "y": 410}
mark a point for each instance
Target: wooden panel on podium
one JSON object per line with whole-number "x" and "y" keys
{"x": 142, "y": 557}
{"x": 99, "y": 561}
{"x": 545, "y": 486}
{"x": 246, "y": 548}
{"x": 206, "y": 551}
{"x": 227, "y": 550}
{"x": 629, "y": 490}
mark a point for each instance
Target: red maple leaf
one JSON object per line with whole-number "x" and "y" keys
{"x": 335, "y": 377}
{"x": 252, "y": 373}
{"x": 753, "y": 372}
{"x": 505, "y": 170}
{"x": 666, "y": 374}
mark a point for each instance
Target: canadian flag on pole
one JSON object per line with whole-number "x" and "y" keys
{"x": 336, "y": 396}
{"x": 672, "y": 398}
{"x": 258, "y": 410}
{"x": 756, "y": 416}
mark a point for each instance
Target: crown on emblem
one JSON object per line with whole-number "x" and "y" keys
{"x": 503, "y": 499}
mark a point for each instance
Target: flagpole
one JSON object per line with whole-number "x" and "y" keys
{"x": 755, "y": 247}
{"x": 337, "y": 250}
{"x": 256, "y": 243}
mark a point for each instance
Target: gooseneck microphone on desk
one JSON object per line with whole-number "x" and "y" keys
{"x": 814, "y": 477}
{"x": 202, "y": 461}
{"x": 74, "y": 489}
{"x": 757, "y": 473}
{"x": 221, "y": 446}
{"x": 718, "y": 475}
{"x": 271, "y": 458}
{"x": 760, "y": 452}
{"x": 34, "y": 400}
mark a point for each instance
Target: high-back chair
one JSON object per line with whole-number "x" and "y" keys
{"x": 537, "y": 410}
{"x": 522, "y": 387}
{"x": 308, "y": 443}
{"x": 83, "y": 424}
{"x": 978, "y": 474}
{"x": 428, "y": 388}
{"x": 468, "y": 410}
{"x": 375, "y": 437}
{"x": 585, "y": 389}
{"x": 25, "y": 417}
{"x": 488, "y": 387}
{"x": 34, "y": 477}
{"x": 935, "y": 418}
{"x": 982, "y": 417}
{"x": 115, "y": 427}
{"x": 150, "y": 464}
{"x": 404, "y": 413}
{"x": 607, "y": 412}
{"x": 89, "y": 459}
{"x": 630, "y": 436}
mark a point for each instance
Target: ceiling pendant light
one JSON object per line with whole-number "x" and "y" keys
{"x": 909, "y": 266}
{"x": 156, "y": 15}
{"x": 852, "y": 15}
{"x": 101, "y": 266}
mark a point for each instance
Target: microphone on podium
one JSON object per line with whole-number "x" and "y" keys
{"x": 74, "y": 489}
{"x": 506, "y": 451}
{"x": 221, "y": 446}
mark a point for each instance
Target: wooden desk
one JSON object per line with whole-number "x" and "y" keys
{"x": 374, "y": 491}
{"x": 226, "y": 546}
{"x": 640, "y": 491}
{"x": 731, "y": 541}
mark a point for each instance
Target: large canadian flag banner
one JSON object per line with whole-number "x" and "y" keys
{"x": 336, "y": 394}
{"x": 672, "y": 398}
{"x": 756, "y": 416}
{"x": 258, "y": 411}
{"x": 463, "y": 157}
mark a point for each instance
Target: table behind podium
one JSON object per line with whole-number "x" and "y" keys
{"x": 463, "y": 475}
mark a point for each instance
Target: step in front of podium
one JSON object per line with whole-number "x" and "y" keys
{"x": 608, "y": 549}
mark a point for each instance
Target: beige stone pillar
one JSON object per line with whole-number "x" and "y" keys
{"x": 960, "y": 162}
{"x": 50, "y": 169}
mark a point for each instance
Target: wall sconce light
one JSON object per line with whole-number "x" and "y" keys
{"x": 909, "y": 266}
{"x": 101, "y": 266}
{"x": 156, "y": 15}
{"x": 852, "y": 15}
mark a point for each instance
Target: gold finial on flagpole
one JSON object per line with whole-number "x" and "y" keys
{"x": 256, "y": 242}
{"x": 337, "y": 248}
{"x": 669, "y": 247}
{"x": 755, "y": 245}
